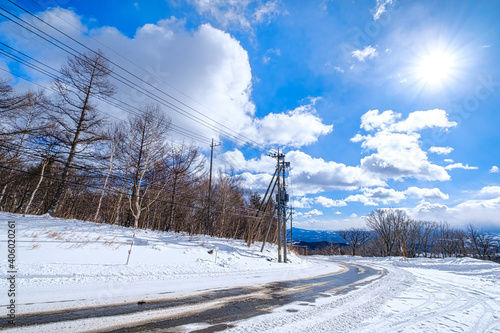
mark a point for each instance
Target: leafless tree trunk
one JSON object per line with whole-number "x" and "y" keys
{"x": 115, "y": 138}
{"x": 79, "y": 122}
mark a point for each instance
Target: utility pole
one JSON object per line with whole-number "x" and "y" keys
{"x": 207, "y": 225}
{"x": 281, "y": 202}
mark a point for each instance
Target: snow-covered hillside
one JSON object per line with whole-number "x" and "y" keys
{"x": 62, "y": 264}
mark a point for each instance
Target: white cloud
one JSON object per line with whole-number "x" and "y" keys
{"x": 327, "y": 202}
{"x": 266, "y": 12}
{"x": 399, "y": 156}
{"x": 255, "y": 182}
{"x": 373, "y": 120}
{"x": 397, "y": 144}
{"x": 309, "y": 214}
{"x": 302, "y": 202}
{"x": 460, "y": 166}
{"x": 441, "y": 150}
{"x": 268, "y": 56}
{"x": 494, "y": 169}
{"x": 416, "y": 121}
{"x": 299, "y": 127}
{"x": 313, "y": 212}
{"x": 374, "y": 196}
{"x": 361, "y": 198}
{"x": 387, "y": 196}
{"x": 368, "y": 52}
{"x": 419, "y": 120}
{"x": 314, "y": 175}
{"x": 483, "y": 213}
{"x": 237, "y": 161}
{"x": 426, "y": 193}
{"x": 380, "y": 8}
{"x": 490, "y": 190}
{"x": 242, "y": 13}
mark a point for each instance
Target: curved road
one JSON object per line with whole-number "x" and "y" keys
{"x": 217, "y": 310}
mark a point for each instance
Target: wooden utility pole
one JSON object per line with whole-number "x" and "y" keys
{"x": 281, "y": 203}
{"x": 207, "y": 223}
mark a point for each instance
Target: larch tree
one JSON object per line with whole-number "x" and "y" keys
{"x": 83, "y": 80}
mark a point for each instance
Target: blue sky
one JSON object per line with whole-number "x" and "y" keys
{"x": 376, "y": 103}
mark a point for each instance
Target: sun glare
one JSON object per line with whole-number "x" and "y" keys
{"x": 435, "y": 68}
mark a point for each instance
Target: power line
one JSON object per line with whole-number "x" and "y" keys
{"x": 236, "y": 137}
{"x": 117, "y": 103}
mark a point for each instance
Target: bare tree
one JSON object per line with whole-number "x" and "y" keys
{"x": 115, "y": 136}
{"x": 482, "y": 244}
{"x": 146, "y": 141}
{"x": 182, "y": 165}
{"x": 449, "y": 240}
{"x": 356, "y": 237}
{"x": 426, "y": 237}
{"x": 75, "y": 112}
{"x": 19, "y": 124}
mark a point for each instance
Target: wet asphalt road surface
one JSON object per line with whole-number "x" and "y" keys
{"x": 233, "y": 304}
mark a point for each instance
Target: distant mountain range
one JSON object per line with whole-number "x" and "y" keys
{"x": 313, "y": 236}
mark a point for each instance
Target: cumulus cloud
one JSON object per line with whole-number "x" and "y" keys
{"x": 387, "y": 196}
{"x": 369, "y": 52}
{"x": 416, "y": 121}
{"x": 202, "y": 77}
{"x": 490, "y": 190}
{"x": 460, "y": 166}
{"x": 327, "y": 202}
{"x": 313, "y": 212}
{"x": 373, "y": 196}
{"x": 494, "y": 169}
{"x": 302, "y": 202}
{"x": 397, "y": 144}
{"x": 426, "y": 193}
{"x": 314, "y": 175}
{"x": 441, "y": 150}
{"x": 483, "y": 213}
{"x": 295, "y": 128}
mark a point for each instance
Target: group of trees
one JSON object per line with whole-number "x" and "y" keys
{"x": 393, "y": 233}
{"x": 60, "y": 154}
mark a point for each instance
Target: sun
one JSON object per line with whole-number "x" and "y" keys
{"x": 436, "y": 68}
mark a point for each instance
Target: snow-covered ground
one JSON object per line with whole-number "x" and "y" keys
{"x": 62, "y": 264}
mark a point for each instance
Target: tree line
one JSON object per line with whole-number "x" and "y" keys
{"x": 391, "y": 232}
{"x": 62, "y": 155}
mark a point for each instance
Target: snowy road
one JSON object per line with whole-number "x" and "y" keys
{"x": 422, "y": 295}
{"x": 213, "y": 311}
{"x": 71, "y": 275}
